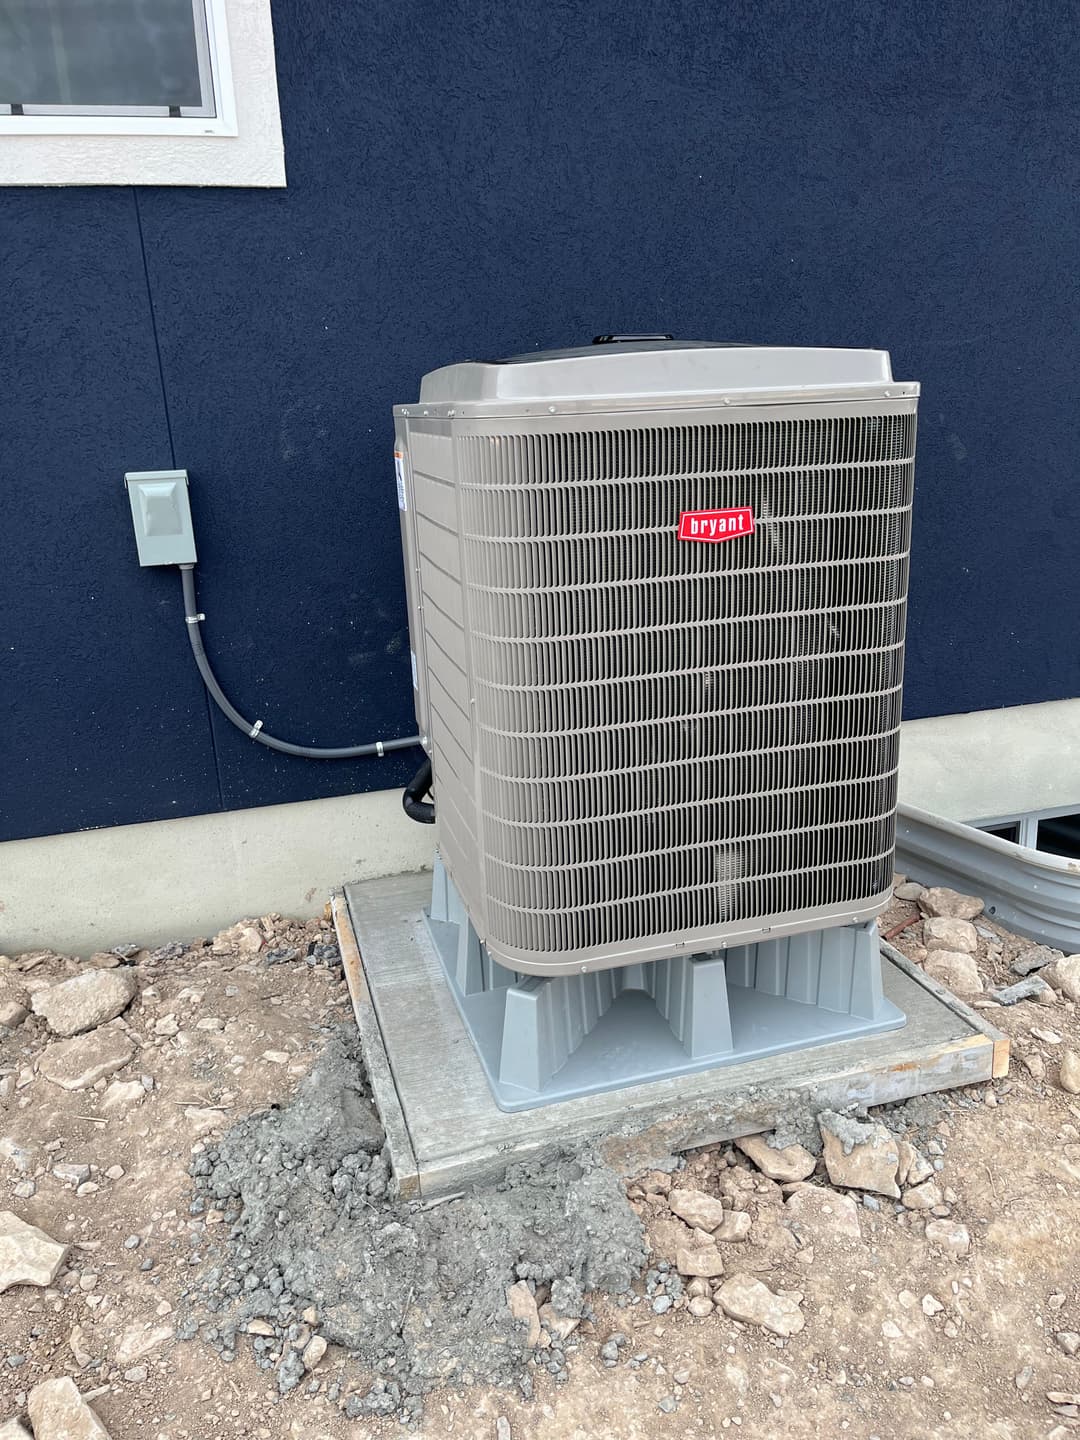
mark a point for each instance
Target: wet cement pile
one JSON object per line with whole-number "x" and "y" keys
{"x": 417, "y": 1296}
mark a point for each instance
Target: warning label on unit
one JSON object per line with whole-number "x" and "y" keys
{"x": 399, "y": 471}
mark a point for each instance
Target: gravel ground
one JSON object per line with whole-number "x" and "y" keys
{"x": 237, "y": 1264}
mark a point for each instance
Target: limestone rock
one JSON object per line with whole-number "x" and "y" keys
{"x": 122, "y": 1095}
{"x": 668, "y": 1236}
{"x": 793, "y": 1162}
{"x": 943, "y": 932}
{"x": 1064, "y": 975}
{"x": 734, "y": 1226}
{"x": 12, "y": 1012}
{"x": 14, "y": 1003}
{"x": 79, "y": 1063}
{"x": 140, "y": 1340}
{"x": 700, "y": 1306}
{"x": 1069, "y": 1072}
{"x": 949, "y": 1236}
{"x": 245, "y": 936}
{"x": 922, "y": 1197}
{"x": 956, "y": 971}
{"x": 909, "y": 890}
{"x": 1035, "y": 1065}
{"x": 744, "y": 1298}
{"x": 1034, "y": 959}
{"x": 655, "y": 1182}
{"x": 85, "y": 1001}
{"x": 704, "y": 1261}
{"x": 703, "y": 1212}
{"x": 27, "y": 1255}
{"x": 914, "y": 1168}
{"x": 77, "y": 1346}
{"x": 561, "y": 1326}
{"x": 523, "y": 1307}
{"x": 816, "y": 1213}
{"x": 940, "y": 900}
{"x": 862, "y": 1156}
{"x": 12, "y": 1430}
{"x": 31, "y": 959}
{"x": 58, "y": 1412}
{"x": 104, "y": 960}
{"x": 314, "y": 1351}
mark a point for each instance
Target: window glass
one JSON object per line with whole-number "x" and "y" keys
{"x": 90, "y": 55}
{"x": 1060, "y": 835}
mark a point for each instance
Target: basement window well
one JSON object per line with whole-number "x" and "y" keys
{"x": 1053, "y": 832}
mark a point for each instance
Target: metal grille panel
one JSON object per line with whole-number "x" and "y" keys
{"x": 676, "y": 739}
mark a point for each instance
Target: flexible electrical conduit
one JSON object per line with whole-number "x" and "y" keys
{"x": 255, "y": 731}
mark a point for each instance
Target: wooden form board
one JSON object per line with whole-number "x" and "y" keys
{"x": 445, "y": 1132}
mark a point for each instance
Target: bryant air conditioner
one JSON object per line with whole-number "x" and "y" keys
{"x": 657, "y": 598}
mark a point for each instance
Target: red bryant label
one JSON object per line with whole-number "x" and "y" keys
{"x": 715, "y": 525}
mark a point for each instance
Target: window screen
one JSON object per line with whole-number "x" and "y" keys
{"x": 93, "y": 57}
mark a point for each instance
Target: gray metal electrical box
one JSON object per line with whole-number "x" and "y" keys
{"x": 162, "y": 516}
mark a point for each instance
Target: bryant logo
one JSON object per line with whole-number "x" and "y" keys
{"x": 714, "y": 525}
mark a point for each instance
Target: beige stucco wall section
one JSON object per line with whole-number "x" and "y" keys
{"x": 174, "y": 879}
{"x": 252, "y": 157}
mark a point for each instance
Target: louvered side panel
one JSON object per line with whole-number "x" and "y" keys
{"x": 443, "y": 621}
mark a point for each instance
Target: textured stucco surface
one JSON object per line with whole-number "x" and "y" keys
{"x": 481, "y": 180}
{"x": 253, "y": 156}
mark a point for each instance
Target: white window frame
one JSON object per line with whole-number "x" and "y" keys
{"x": 222, "y": 123}
{"x": 240, "y": 146}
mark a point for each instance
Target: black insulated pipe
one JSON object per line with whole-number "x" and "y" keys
{"x": 255, "y": 731}
{"x": 413, "y": 802}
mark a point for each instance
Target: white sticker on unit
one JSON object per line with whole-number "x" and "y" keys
{"x": 399, "y": 471}
{"x": 412, "y": 657}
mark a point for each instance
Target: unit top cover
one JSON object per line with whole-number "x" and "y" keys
{"x": 655, "y": 369}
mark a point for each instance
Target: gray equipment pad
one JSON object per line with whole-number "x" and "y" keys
{"x": 445, "y": 1132}
{"x": 541, "y": 1039}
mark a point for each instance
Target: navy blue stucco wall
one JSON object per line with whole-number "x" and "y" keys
{"x": 485, "y": 176}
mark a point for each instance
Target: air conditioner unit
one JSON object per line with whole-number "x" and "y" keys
{"x": 657, "y": 597}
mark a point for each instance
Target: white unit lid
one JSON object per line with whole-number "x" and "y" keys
{"x": 655, "y": 368}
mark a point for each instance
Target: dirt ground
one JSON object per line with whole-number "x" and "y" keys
{"x": 901, "y": 1340}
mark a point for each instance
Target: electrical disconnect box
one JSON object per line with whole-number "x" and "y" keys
{"x": 162, "y": 516}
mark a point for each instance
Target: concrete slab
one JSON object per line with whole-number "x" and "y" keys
{"x": 445, "y": 1132}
